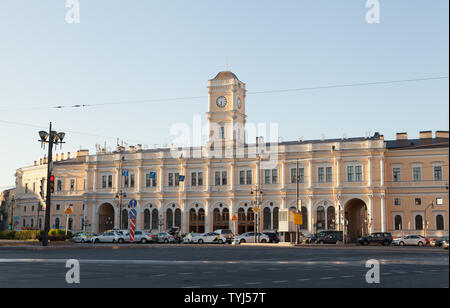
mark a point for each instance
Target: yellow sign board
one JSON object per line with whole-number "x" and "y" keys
{"x": 298, "y": 219}
{"x": 68, "y": 210}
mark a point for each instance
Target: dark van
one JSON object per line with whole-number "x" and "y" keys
{"x": 329, "y": 237}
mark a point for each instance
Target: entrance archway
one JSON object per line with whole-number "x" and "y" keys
{"x": 356, "y": 216}
{"x": 105, "y": 217}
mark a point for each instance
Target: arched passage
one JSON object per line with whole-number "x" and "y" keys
{"x": 356, "y": 217}
{"x": 105, "y": 217}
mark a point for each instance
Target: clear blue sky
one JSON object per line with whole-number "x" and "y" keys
{"x": 135, "y": 50}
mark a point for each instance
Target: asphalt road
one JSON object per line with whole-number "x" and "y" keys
{"x": 226, "y": 266}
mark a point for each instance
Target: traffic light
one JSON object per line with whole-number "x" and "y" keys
{"x": 10, "y": 227}
{"x": 42, "y": 188}
{"x": 52, "y": 184}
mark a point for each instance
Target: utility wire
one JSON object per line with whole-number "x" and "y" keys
{"x": 79, "y": 106}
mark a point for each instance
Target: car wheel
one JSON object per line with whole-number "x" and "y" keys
{"x": 121, "y": 241}
{"x": 166, "y": 241}
{"x": 365, "y": 243}
{"x": 220, "y": 242}
{"x": 242, "y": 241}
{"x": 402, "y": 244}
{"x": 200, "y": 241}
{"x": 263, "y": 241}
{"x": 386, "y": 243}
{"x": 82, "y": 241}
{"x": 96, "y": 241}
{"x": 420, "y": 244}
{"x": 321, "y": 242}
{"x": 144, "y": 241}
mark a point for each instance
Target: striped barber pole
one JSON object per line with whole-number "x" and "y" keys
{"x": 132, "y": 229}
{"x": 133, "y": 214}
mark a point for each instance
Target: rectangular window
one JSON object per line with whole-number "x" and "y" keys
{"x": 104, "y": 178}
{"x": 148, "y": 180}
{"x": 249, "y": 177}
{"x": 418, "y": 201}
{"x": 321, "y": 175}
{"x": 193, "y": 179}
{"x": 217, "y": 178}
{"x": 301, "y": 174}
{"x": 110, "y": 181}
{"x": 350, "y": 174}
{"x": 329, "y": 178}
{"x": 438, "y": 173}
{"x": 132, "y": 180}
{"x": 293, "y": 176}
{"x": 170, "y": 180}
{"x": 224, "y": 178}
{"x": 417, "y": 174}
{"x": 274, "y": 176}
{"x": 397, "y": 201}
{"x": 222, "y": 132}
{"x": 26, "y": 188}
{"x": 34, "y": 187}
{"x": 266, "y": 176}
{"x": 59, "y": 185}
{"x": 200, "y": 179}
{"x": 72, "y": 185}
{"x": 177, "y": 179}
{"x": 242, "y": 177}
{"x": 126, "y": 181}
{"x": 358, "y": 174}
{"x": 396, "y": 174}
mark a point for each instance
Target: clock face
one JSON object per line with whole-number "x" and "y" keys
{"x": 239, "y": 103}
{"x": 221, "y": 102}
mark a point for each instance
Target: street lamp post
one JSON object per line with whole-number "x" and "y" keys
{"x": 258, "y": 201}
{"x": 52, "y": 138}
{"x": 120, "y": 195}
{"x": 13, "y": 204}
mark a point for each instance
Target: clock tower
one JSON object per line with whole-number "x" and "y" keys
{"x": 226, "y": 109}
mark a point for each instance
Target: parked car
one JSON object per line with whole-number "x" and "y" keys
{"x": 273, "y": 237}
{"x": 329, "y": 237}
{"x": 439, "y": 242}
{"x": 83, "y": 237}
{"x": 209, "y": 238}
{"x": 188, "y": 239}
{"x": 445, "y": 243}
{"x": 109, "y": 237}
{"x": 378, "y": 238}
{"x": 249, "y": 237}
{"x": 309, "y": 238}
{"x": 164, "y": 237}
{"x": 141, "y": 237}
{"x": 410, "y": 240}
{"x": 227, "y": 234}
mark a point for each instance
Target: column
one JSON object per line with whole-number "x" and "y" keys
{"x": 86, "y": 183}
{"x": 94, "y": 219}
{"x": 382, "y": 171}
{"x": 161, "y": 179}
{"x": 95, "y": 180}
{"x": 338, "y": 172}
{"x": 184, "y": 228}
{"x": 207, "y": 218}
{"x": 232, "y": 177}
{"x": 310, "y": 171}
{"x": 232, "y": 212}
{"x": 383, "y": 213}
{"x": 369, "y": 180}
{"x": 208, "y": 176}
{"x": 310, "y": 215}
{"x": 283, "y": 175}
{"x": 370, "y": 216}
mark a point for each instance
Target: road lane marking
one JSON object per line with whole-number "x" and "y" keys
{"x": 304, "y": 279}
{"x": 252, "y": 283}
{"x": 349, "y": 276}
{"x": 327, "y": 278}
{"x": 280, "y": 281}
{"x": 223, "y": 285}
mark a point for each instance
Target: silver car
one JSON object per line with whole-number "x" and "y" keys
{"x": 249, "y": 237}
{"x": 410, "y": 240}
{"x": 141, "y": 237}
{"x": 209, "y": 238}
{"x": 109, "y": 237}
{"x": 83, "y": 237}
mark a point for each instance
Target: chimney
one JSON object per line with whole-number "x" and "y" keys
{"x": 132, "y": 148}
{"x": 440, "y": 134}
{"x": 139, "y": 147}
{"x": 426, "y": 134}
{"x": 402, "y": 136}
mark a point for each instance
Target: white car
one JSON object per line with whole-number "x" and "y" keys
{"x": 249, "y": 237}
{"x": 410, "y": 240}
{"x": 188, "y": 239}
{"x": 83, "y": 237}
{"x": 109, "y": 237}
{"x": 141, "y": 237}
{"x": 209, "y": 238}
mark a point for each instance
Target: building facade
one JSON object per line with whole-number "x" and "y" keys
{"x": 366, "y": 184}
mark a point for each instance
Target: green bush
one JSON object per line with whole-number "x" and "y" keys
{"x": 7, "y": 235}
{"x": 18, "y": 235}
{"x": 56, "y": 235}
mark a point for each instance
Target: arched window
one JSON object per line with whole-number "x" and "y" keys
{"x": 320, "y": 218}
{"x": 70, "y": 223}
{"x": 267, "y": 219}
{"x": 169, "y": 218}
{"x": 146, "y": 219}
{"x": 331, "y": 216}
{"x": 304, "y": 225}
{"x": 178, "y": 218}
{"x": 275, "y": 218}
{"x": 419, "y": 222}
{"x": 398, "y": 222}
{"x": 201, "y": 215}
{"x": 124, "y": 220}
{"x": 439, "y": 222}
{"x": 155, "y": 219}
{"x": 225, "y": 216}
